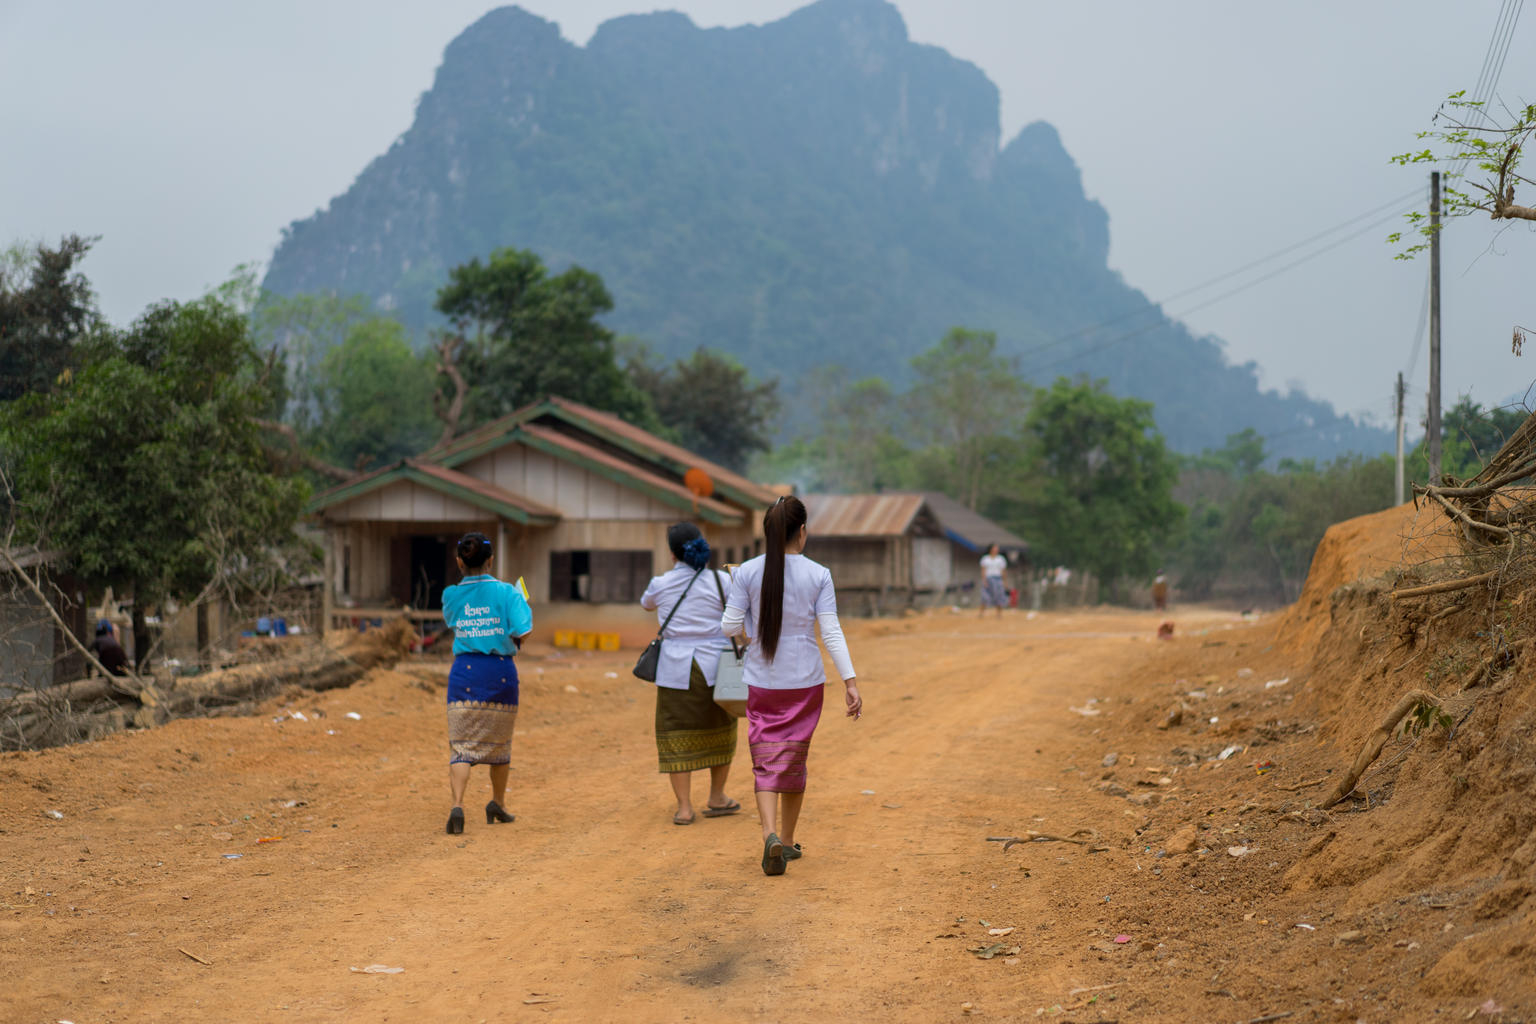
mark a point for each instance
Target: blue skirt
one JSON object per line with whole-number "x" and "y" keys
{"x": 482, "y": 709}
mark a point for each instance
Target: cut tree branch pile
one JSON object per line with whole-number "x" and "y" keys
{"x": 91, "y": 708}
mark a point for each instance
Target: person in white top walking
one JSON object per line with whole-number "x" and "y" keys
{"x": 778, "y": 602}
{"x": 993, "y": 593}
{"x": 692, "y": 731}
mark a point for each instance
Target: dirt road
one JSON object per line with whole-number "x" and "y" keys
{"x": 593, "y": 907}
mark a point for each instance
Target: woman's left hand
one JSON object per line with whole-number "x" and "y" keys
{"x": 855, "y": 702}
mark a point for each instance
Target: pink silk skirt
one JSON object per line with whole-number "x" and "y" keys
{"x": 779, "y": 728}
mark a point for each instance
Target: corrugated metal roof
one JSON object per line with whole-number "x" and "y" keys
{"x": 969, "y": 529}
{"x": 861, "y": 515}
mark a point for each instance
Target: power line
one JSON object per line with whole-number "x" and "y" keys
{"x": 1155, "y": 307}
{"x": 1493, "y": 68}
{"x": 1215, "y": 299}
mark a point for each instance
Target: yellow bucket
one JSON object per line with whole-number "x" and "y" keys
{"x": 607, "y": 641}
{"x": 586, "y": 641}
{"x": 565, "y": 638}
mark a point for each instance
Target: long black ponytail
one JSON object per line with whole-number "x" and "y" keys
{"x": 781, "y": 523}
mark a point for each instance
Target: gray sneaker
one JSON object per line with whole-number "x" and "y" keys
{"x": 793, "y": 852}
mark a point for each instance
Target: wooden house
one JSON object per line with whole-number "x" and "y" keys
{"x": 892, "y": 550}
{"x": 34, "y": 651}
{"x": 576, "y": 501}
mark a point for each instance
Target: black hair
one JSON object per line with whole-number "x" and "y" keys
{"x": 781, "y": 523}
{"x": 679, "y": 534}
{"x": 474, "y": 549}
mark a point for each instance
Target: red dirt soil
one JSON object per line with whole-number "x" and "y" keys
{"x": 1200, "y": 886}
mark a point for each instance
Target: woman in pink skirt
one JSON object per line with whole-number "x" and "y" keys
{"x": 778, "y": 602}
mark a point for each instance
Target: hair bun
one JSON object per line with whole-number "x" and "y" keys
{"x": 696, "y": 553}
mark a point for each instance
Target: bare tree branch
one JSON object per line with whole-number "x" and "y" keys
{"x": 448, "y": 364}
{"x": 297, "y": 452}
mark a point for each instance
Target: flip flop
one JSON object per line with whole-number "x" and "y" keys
{"x": 773, "y": 856}
{"x": 722, "y": 811}
{"x": 684, "y": 821}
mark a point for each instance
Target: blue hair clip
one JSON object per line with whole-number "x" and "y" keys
{"x": 696, "y": 553}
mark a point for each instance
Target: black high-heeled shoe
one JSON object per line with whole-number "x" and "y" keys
{"x": 495, "y": 813}
{"x": 456, "y": 821}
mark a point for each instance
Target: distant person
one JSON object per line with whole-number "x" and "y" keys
{"x": 1160, "y": 591}
{"x": 108, "y": 649}
{"x": 489, "y": 620}
{"x": 993, "y": 593}
{"x": 779, "y": 601}
{"x": 692, "y": 731}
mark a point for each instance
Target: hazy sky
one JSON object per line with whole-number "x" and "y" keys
{"x": 188, "y": 133}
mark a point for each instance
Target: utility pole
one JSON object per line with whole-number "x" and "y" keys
{"x": 1432, "y": 428}
{"x": 1400, "y": 496}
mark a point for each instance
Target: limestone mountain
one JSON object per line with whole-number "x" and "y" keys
{"x": 818, "y": 190}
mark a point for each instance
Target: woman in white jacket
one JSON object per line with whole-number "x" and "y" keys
{"x": 779, "y": 601}
{"x": 692, "y": 731}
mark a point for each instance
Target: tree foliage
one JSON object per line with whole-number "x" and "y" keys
{"x": 528, "y": 335}
{"x": 1252, "y": 530}
{"x": 373, "y": 396}
{"x": 1471, "y": 435}
{"x": 145, "y": 468}
{"x": 710, "y": 404}
{"x": 1105, "y": 481}
{"x": 46, "y": 305}
{"x": 965, "y": 395}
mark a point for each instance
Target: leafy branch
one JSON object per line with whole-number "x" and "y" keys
{"x": 1463, "y": 133}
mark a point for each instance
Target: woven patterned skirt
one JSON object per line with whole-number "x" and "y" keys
{"x": 482, "y": 709}
{"x": 692, "y": 731}
{"x": 779, "y": 728}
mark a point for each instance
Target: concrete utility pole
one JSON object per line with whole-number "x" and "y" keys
{"x": 1400, "y": 496}
{"x": 1432, "y": 428}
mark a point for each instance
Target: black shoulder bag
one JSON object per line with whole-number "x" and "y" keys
{"x": 645, "y": 665}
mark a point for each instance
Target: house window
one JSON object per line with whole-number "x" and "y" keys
{"x": 599, "y": 577}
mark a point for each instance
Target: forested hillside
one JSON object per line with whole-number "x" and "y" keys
{"x": 815, "y": 191}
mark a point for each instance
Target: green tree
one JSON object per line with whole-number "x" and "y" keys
{"x": 304, "y": 329}
{"x": 1471, "y": 435}
{"x": 146, "y": 467}
{"x": 374, "y": 397}
{"x": 46, "y": 305}
{"x": 709, "y": 404}
{"x": 1275, "y": 520}
{"x": 527, "y": 335}
{"x": 965, "y": 396}
{"x": 1105, "y": 493}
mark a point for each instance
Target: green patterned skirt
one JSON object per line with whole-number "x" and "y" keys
{"x": 692, "y": 731}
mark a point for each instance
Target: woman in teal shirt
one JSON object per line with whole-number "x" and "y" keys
{"x": 489, "y": 619}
